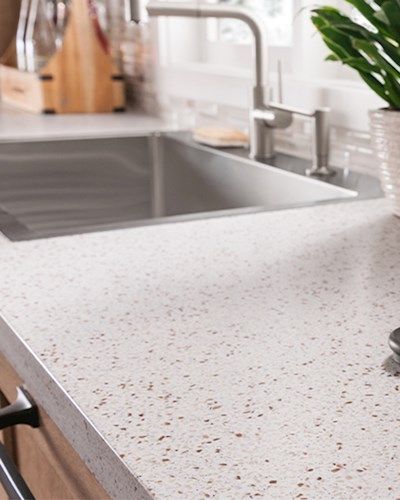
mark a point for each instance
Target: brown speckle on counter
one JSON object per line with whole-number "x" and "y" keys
{"x": 196, "y": 350}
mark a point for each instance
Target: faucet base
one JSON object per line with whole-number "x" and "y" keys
{"x": 323, "y": 171}
{"x": 261, "y": 158}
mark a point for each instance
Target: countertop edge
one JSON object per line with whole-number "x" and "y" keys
{"x": 81, "y": 433}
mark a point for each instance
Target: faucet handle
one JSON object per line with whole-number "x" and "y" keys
{"x": 297, "y": 111}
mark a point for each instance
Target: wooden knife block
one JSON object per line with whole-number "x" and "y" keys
{"x": 79, "y": 78}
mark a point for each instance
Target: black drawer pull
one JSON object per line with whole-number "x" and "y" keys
{"x": 22, "y": 411}
{"x": 11, "y": 480}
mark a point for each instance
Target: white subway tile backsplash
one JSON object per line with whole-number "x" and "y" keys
{"x": 349, "y": 149}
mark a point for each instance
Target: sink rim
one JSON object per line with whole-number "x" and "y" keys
{"x": 185, "y": 136}
{"x": 14, "y": 230}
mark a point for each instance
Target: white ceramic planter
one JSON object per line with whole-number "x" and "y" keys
{"x": 385, "y": 132}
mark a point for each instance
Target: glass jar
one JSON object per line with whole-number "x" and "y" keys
{"x": 41, "y": 39}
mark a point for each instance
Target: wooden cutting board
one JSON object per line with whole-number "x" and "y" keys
{"x": 8, "y": 22}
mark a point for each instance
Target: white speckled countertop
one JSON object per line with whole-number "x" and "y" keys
{"x": 231, "y": 358}
{"x": 19, "y": 125}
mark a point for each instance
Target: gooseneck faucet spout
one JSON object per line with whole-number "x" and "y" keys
{"x": 264, "y": 117}
{"x": 261, "y": 139}
{"x": 224, "y": 12}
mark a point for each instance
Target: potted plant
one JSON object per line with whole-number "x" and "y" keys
{"x": 373, "y": 50}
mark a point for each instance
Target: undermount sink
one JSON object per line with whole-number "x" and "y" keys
{"x": 71, "y": 186}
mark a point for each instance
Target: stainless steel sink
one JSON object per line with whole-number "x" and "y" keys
{"x": 73, "y": 186}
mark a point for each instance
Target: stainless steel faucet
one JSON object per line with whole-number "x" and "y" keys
{"x": 264, "y": 117}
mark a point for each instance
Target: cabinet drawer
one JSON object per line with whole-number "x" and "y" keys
{"x": 47, "y": 462}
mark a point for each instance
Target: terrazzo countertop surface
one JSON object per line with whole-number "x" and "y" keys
{"x": 241, "y": 357}
{"x": 20, "y": 125}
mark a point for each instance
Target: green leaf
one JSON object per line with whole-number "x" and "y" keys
{"x": 340, "y": 39}
{"x": 369, "y": 13}
{"x": 391, "y": 51}
{"x": 377, "y": 87}
{"x": 393, "y": 89}
{"x": 333, "y": 18}
{"x": 332, "y": 57}
{"x": 336, "y": 49}
{"x": 379, "y": 2}
{"x": 319, "y": 22}
{"x": 374, "y": 54}
{"x": 381, "y": 16}
{"x": 391, "y": 9}
{"x": 358, "y": 32}
{"x": 361, "y": 64}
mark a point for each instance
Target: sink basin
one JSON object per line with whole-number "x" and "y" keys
{"x": 62, "y": 187}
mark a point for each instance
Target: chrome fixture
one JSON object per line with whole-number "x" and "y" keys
{"x": 394, "y": 343}
{"x": 134, "y": 10}
{"x": 22, "y": 411}
{"x": 320, "y": 166}
{"x": 264, "y": 117}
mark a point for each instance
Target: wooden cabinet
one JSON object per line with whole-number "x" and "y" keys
{"x": 45, "y": 459}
